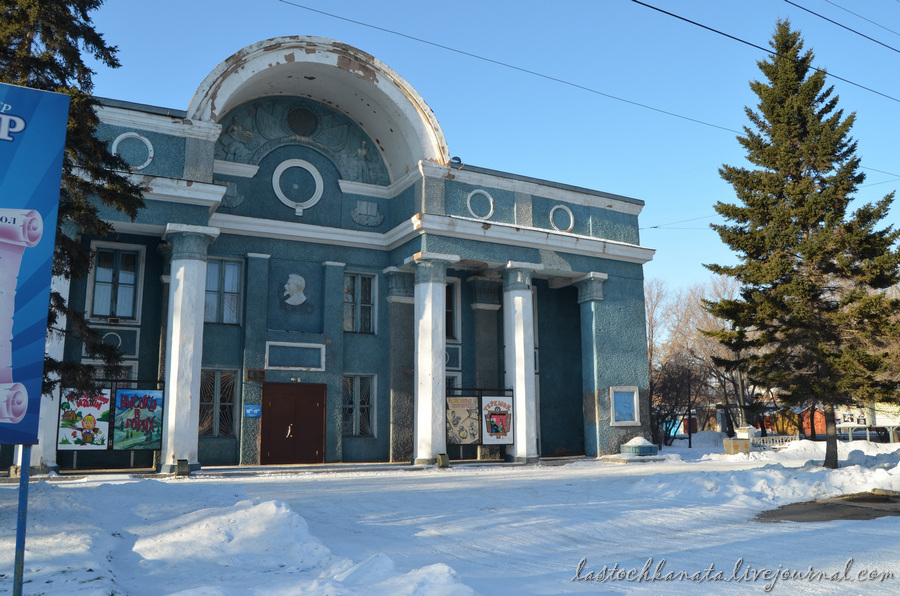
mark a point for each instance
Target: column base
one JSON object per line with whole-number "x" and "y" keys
{"x": 424, "y": 462}
{"x": 179, "y": 470}
{"x": 522, "y": 460}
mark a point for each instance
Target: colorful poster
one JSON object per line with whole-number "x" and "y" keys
{"x": 32, "y": 138}
{"x": 463, "y": 421}
{"x": 497, "y": 420}
{"x": 83, "y": 420}
{"x": 139, "y": 419}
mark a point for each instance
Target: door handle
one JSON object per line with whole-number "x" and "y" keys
{"x": 288, "y": 435}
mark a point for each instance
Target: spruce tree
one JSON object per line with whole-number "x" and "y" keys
{"x": 811, "y": 317}
{"x": 42, "y": 44}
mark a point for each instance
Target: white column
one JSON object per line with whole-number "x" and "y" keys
{"x": 518, "y": 356}
{"x": 430, "y": 353}
{"x": 184, "y": 343}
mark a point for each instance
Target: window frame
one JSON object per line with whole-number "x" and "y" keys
{"x": 373, "y": 392}
{"x": 217, "y": 404}
{"x": 118, "y": 248}
{"x": 128, "y": 381}
{"x": 221, "y": 293}
{"x": 454, "y": 289}
{"x": 635, "y": 396}
{"x": 357, "y": 304}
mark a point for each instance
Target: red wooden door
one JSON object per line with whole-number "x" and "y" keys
{"x": 293, "y": 424}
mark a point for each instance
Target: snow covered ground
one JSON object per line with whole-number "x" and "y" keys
{"x": 679, "y": 526}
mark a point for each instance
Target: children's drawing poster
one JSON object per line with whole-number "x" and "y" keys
{"x": 497, "y": 420}
{"x": 139, "y": 418}
{"x": 463, "y": 421}
{"x": 83, "y": 420}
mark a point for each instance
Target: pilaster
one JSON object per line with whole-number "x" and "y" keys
{"x": 255, "y": 317}
{"x": 590, "y": 297}
{"x": 401, "y": 306}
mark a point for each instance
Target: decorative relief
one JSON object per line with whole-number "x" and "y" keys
{"x": 479, "y": 211}
{"x": 556, "y": 221}
{"x": 132, "y": 151}
{"x": 294, "y": 187}
{"x": 366, "y": 214}
{"x": 256, "y": 128}
{"x": 232, "y": 198}
{"x": 293, "y": 289}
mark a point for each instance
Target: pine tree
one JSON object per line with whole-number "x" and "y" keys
{"x": 811, "y": 317}
{"x": 42, "y": 43}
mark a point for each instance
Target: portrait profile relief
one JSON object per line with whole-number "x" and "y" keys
{"x": 293, "y": 289}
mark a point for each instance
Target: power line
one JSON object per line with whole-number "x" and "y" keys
{"x": 538, "y": 74}
{"x": 512, "y": 66}
{"x": 842, "y": 26}
{"x": 758, "y": 47}
{"x": 862, "y": 17}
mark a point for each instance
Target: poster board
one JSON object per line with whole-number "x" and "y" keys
{"x": 138, "y": 420}
{"x": 32, "y": 139}
{"x": 83, "y": 420}
{"x": 463, "y": 420}
{"x": 497, "y": 420}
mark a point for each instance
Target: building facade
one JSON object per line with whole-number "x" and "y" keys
{"x": 312, "y": 271}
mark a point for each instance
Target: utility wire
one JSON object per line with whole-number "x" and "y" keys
{"x": 512, "y": 66}
{"x": 862, "y": 17}
{"x": 768, "y": 51}
{"x": 842, "y": 26}
{"x": 541, "y": 75}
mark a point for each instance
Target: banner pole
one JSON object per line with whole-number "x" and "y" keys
{"x": 23, "y": 517}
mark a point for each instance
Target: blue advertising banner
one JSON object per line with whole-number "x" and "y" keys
{"x": 32, "y": 140}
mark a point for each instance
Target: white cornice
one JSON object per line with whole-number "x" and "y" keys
{"x": 439, "y": 225}
{"x": 381, "y": 192}
{"x": 549, "y": 191}
{"x": 180, "y": 191}
{"x": 233, "y": 168}
{"x": 205, "y": 131}
{"x": 514, "y": 235}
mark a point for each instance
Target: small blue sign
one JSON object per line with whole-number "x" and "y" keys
{"x": 252, "y": 411}
{"x": 32, "y": 141}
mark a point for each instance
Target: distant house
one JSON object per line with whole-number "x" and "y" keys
{"x": 313, "y": 271}
{"x": 807, "y": 421}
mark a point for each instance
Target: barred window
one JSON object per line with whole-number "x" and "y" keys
{"x": 358, "y": 419}
{"x": 217, "y": 399}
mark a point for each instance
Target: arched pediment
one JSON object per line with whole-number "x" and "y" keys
{"x": 402, "y": 128}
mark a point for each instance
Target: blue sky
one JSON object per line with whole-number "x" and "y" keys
{"x": 505, "y": 119}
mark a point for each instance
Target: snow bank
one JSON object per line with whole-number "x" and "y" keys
{"x": 161, "y": 543}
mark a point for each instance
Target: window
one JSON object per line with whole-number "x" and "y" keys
{"x": 115, "y": 283}
{"x": 223, "y": 292}
{"x": 107, "y": 380}
{"x": 359, "y": 303}
{"x": 357, "y": 412}
{"x": 217, "y": 389}
{"x": 624, "y": 406}
{"x": 451, "y": 305}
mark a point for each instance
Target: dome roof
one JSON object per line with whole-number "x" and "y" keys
{"x": 342, "y": 77}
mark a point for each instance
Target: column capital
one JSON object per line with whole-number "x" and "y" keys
{"x": 431, "y": 267}
{"x": 190, "y": 242}
{"x": 484, "y": 292}
{"x": 590, "y": 287}
{"x": 400, "y": 285}
{"x": 517, "y": 275}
